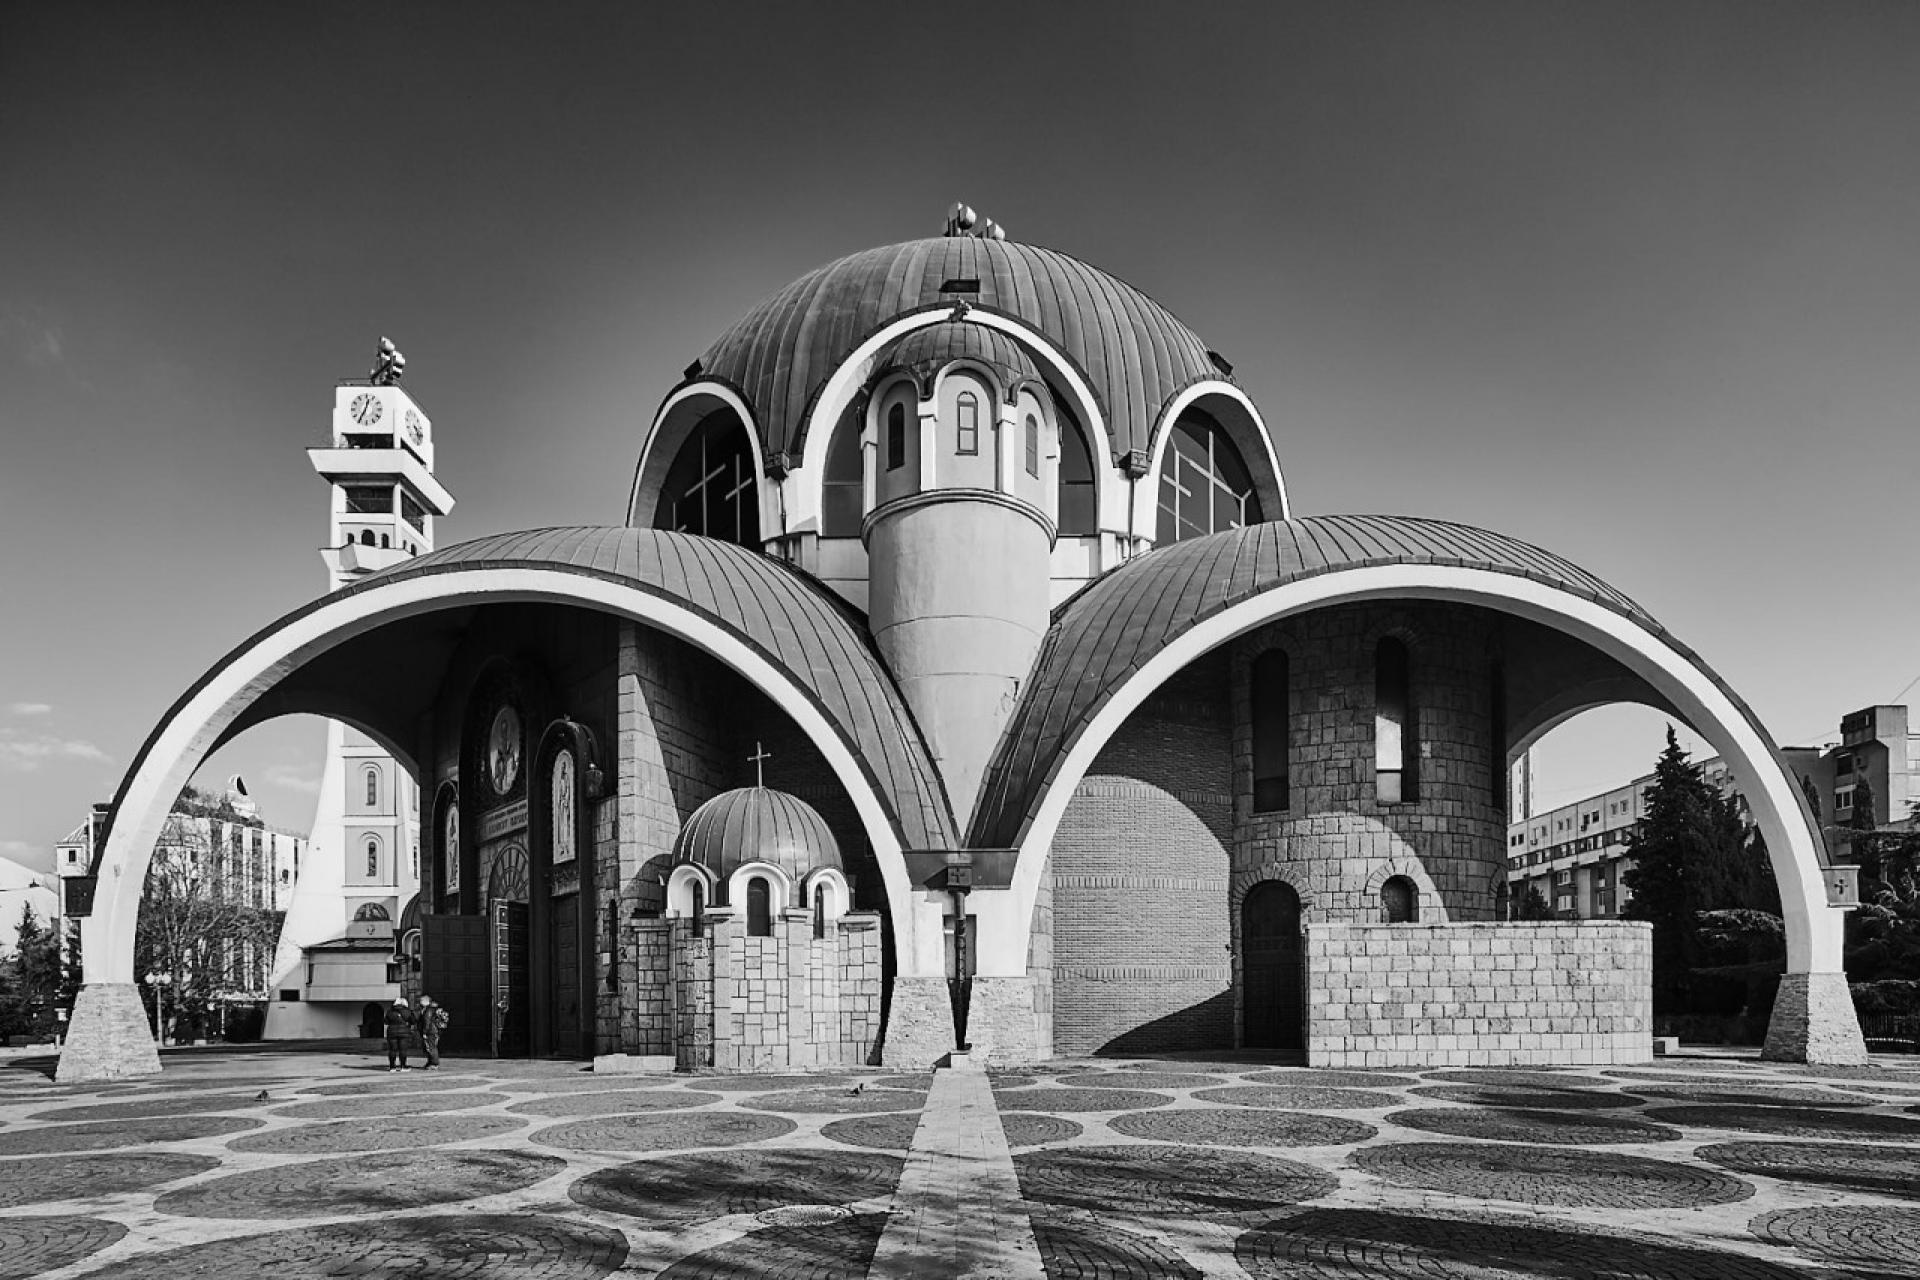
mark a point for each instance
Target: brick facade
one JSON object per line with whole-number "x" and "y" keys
{"x": 1404, "y": 995}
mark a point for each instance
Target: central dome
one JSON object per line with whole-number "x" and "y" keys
{"x": 1133, "y": 353}
{"x": 754, "y": 824}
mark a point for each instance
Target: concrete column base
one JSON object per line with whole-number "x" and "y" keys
{"x": 1002, "y": 1025}
{"x": 108, "y": 1037}
{"x": 1813, "y": 1021}
{"x": 919, "y": 1028}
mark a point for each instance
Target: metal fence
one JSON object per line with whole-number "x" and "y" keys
{"x": 1891, "y": 1033}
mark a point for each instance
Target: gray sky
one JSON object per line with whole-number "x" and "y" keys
{"x": 1633, "y": 281}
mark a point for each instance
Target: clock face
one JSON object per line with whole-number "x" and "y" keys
{"x": 413, "y": 427}
{"x": 503, "y": 750}
{"x": 366, "y": 409}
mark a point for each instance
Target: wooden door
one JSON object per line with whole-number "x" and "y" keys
{"x": 454, "y": 970}
{"x": 511, "y": 988}
{"x": 1273, "y": 986}
{"x": 565, "y": 1006}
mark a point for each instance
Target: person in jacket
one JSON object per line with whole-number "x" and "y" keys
{"x": 400, "y": 1026}
{"x": 431, "y": 1020}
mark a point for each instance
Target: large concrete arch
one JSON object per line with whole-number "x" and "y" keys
{"x": 1814, "y": 1019}
{"x": 109, "y": 1034}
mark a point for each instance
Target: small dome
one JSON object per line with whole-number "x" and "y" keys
{"x": 753, "y": 824}
{"x": 924, "y": 352}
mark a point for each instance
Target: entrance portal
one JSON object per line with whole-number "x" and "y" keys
{"x": 454, "y": 971}
{"x": 511, "y": 987}
{"x": 1273, "y": 985}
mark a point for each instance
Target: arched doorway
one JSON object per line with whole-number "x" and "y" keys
{"x": 1273, "y": 985}
{"x": 507, "y": 894}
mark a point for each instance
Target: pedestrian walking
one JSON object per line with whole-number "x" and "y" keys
{"x": 432, "y": 1019}
{"x": 400, "y": 1026}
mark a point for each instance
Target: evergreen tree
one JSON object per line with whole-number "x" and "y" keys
{"x": 1692, "y": 852}
{"x": 1532, "y": 905}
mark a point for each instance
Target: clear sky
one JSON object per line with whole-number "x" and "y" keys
{"x": 1634, "y": 281}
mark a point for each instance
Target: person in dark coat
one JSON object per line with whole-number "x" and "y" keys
{"x": 431, "y": 1020}
{"x": 400, "y": 1025}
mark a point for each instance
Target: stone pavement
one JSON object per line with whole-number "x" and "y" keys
{"x": 308, "y": 1164}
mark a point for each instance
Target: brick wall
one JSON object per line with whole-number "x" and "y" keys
{"x": 1138, "y": 876}
{"x": 1482, "y": 994}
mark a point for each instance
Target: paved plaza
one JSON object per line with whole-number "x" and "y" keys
{"x": 305, "y": 1164}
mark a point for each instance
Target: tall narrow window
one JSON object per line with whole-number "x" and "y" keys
{"x": 699, "y": 907}
{"x": 967, "y": 415}
{"x": 896, "y": 437}
{"x": 1396, "y": 746}
{"x": 373, "y": 788}
{"x": 1076, "y": 505}
{"x": 1033, "y": 445}
{"x": 1272, "y": 715}
{"x": 373, "y": 859}
{"x": 759, "y": 908}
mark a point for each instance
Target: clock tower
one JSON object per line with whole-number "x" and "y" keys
{"x": 363, "y": 858}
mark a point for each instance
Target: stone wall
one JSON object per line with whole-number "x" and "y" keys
{"x": 1560, "y": 994}
{"x": 1138, "y": 879}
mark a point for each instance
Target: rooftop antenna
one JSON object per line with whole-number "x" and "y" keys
{"x": 963, "y": 221}
{"x": 389, "y": 366}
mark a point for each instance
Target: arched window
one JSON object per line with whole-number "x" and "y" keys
{"x": 1077, "y": 509}
{"x": 373, "y": 859}
{"x": 896, "y": 437}
{"x": 967, "y": 422}
{"x": 759, "y": 908}
{"x": 1205, "y": 487}
{"x": 1396, "y": 744}
{"x": 385, "y": 543}
{"x": 699, "y": 895}
{"x": 373, "y": 788}
{"x": 366, "y": 537}
{"x": 843, "y": 486}
{"x": 1032, "y": 441}
{"x": 711, "y": 489}
{"x": 371, "y": 911}
{"x": 1399, "y": 901}
{"x": 819, "y": 915}
{"x": 1272, "y": 717}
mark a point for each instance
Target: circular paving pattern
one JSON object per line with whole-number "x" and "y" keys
{"x": 1332, "y": 1079}
{"x": 828, "y": 1251}
{"x": 876, "y": 1133}
{"x": 406, "y": 1082}
{"x": 154, "y": 1107}
{"x": 46, "y": 1181}
{"x": 34, "y": 1246}
{"x": 1174, "y": 1180}
{"x": 1140, "y": 1080}
{"x": 1520, "y": 1079}
{"x": 1054, "y": 1098}
{"x": 1026, "y": 1129}
{"x": 1683, "y": 1077}
{"x": 470, "y": 1246}
{"x": 920, "y": 1082}
{"x": 714, "y": 1184}
{"x": 1486, "y": 1095}
{"x": 1855, "y": 1166}
{"x": 1175, "y": 1065}
{"x": 1546, "y": 1176}
{"x": 103, "y": 1135}
{"x": 768, "y": 1083}
{"x": 1368, "y": 1244}
{"x": 584, "y": 1084}
{"x": 1548, "y": 1127}
{"x": 1070, "y": 1250}
{"x": 836, "y": 1102}
{"x": 665, "y": 1131}
{"x": 1302, "y": 1098}
{"x": 401, "y": 1133}
{"x": 1792, "y": 1122}
{"x": 1738, "y": 1096}
{"x": 608, "y": 1102}
{"x": 393, "y": 1104}
{"x": 1242, "y": 1127}
{"x": 1849, "y": 1235}
{"x": 376, "y": 1183}
{"x": 1011, "y": 1080}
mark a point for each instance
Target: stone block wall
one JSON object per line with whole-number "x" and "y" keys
{"x": 722, "y": 1000}
{"x": 1481, "y": 994}
{"x": 1137, "y": 880}
{"x": 1336, "y": 842}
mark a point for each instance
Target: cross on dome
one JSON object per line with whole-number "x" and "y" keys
{"x": 759, "y": 755}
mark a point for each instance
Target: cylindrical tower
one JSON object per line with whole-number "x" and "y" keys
{"x": 961, "y": 450}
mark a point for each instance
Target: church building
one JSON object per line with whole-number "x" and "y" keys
{"x": 961, "y": 674}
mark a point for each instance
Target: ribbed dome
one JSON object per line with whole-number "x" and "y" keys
{"x": 1132, "y": 351}
{"x": 753, "y": 824}
{"x": 924, "y": 352}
